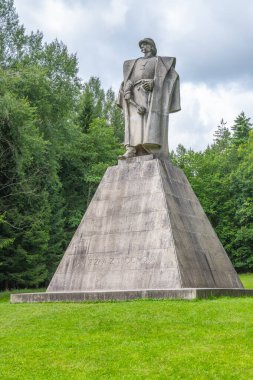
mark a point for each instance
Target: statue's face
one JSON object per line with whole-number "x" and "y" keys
{"x": 146, "y": 48}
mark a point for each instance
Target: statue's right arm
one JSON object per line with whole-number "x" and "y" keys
{"x": 120, "y": 98}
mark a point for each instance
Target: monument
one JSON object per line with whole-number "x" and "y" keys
{"x": 149, "y": 92}
{"x": 144, "y": 233}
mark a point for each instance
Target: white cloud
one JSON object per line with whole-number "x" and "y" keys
{"x": 202, "y": 110}
{"x": 87, "y": 28}
{"x": 69, "y": 20}
{"x": 115, "y": 13}
{"x": 56, "y": 19}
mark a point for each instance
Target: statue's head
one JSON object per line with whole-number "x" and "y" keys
{"x": 148, "y": 43}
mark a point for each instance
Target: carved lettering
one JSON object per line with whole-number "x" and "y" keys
{"x": 116, "y": 263}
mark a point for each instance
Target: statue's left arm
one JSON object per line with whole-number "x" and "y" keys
{"x": 169, "y": 81}
{"x": 175, "y": 104}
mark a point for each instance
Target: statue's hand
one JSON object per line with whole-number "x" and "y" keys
{"x": 127, "y": 96}
{"x": 148, "y": 84}
{"x": 128, "y": 90}
{"x": 141, "y": 110}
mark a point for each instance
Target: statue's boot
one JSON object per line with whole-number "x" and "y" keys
{"x": 130, "y": 152}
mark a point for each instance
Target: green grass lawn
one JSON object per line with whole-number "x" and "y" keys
{"x": 144, "y": 339}
{"x": 247, "y": 280}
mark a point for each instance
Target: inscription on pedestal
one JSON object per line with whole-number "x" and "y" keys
{"x": 111, "y": 263}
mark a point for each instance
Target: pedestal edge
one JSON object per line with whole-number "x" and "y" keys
{"x": 124, "y": 295}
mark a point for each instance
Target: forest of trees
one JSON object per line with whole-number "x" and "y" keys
{"x": 57, "y": 137}
{"x": 222, "y": 178}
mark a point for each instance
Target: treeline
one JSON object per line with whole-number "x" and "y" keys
{"x": 222, "y": 178}
{"x": 57, "y": 137}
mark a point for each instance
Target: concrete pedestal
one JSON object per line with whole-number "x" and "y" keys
{"x": 144, "y": 232}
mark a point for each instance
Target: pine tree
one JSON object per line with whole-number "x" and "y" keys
{"x": 222, "y": 135}
{"x": 241, "y": 129}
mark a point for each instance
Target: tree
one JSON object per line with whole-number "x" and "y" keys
{"x": 96, "y": 104}
{"x": 39, "y": 90}
{"x": 241, "y": 129}
{"x": 221, "y": 177}
{"x": 222, "y": 136}
{"x": 23, "y": 152}
{"x": 242, "y": 186}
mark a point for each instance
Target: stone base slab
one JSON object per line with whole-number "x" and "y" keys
{"x": 124, "y": 295}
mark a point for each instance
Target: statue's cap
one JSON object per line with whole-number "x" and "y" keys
{"x": 150, "y": 42}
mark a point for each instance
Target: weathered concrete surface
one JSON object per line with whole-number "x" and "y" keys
{"x": 144, "y": 229}
{"x": 124, "y": 295}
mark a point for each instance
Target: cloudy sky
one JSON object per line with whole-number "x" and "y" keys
{"x": 211, "y": 39}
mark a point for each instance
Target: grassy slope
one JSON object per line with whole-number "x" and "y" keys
{"x": 207, "y": 339}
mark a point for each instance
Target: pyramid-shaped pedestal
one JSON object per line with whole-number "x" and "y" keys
{"x": 144, "y": 229}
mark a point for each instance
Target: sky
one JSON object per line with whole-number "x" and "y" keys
{"x": 211, "y": 40}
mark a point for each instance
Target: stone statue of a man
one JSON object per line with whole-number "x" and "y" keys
{"x": 149, "y": 92}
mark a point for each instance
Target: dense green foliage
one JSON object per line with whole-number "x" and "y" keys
{"x": 222, "y": 177}
{"x": 145, "y": 339}
{"x": 57, "y": 137}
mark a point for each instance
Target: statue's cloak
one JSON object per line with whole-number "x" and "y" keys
{"x": 165, "y": 99}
